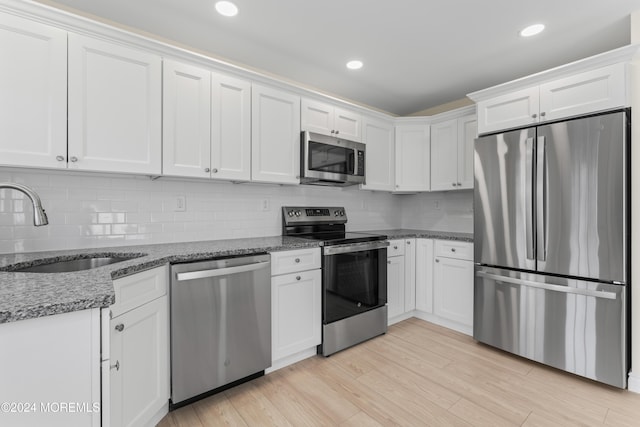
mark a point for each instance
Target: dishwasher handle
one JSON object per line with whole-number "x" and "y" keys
{"x": 201, "y": 274}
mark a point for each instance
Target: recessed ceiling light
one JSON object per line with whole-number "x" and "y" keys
{"x": 532, "y": 30}
{"x": 226, "y": 8}
{"x": 354, "y": 65}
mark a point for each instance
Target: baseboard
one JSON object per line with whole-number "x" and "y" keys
{"x": 158, "y": 416}
{"x": 432, "y": 318}
{"x": 634, "y": 382}
{"x": 400, "y": 318}
{"x": 290, "y": 360}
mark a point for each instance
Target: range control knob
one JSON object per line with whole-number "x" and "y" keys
{"x": 341, "y": 213}
{"x": 298, "y": 213}
{"x": 290, "y": 213}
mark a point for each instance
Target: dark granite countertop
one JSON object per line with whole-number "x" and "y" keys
{"x": 31, "y": 295}
{"x": 402, "y": 233}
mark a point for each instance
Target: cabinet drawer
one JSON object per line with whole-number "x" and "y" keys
{"x": 138, "y": 289}
{"x": 454, "y": 249}
{"x": 298, "y": 260}
{"x": 396, "y": 247}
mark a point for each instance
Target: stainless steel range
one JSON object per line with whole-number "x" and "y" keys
{"x": 354, "y": 275}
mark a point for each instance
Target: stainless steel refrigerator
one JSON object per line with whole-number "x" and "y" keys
{"x": 551, "y": 227}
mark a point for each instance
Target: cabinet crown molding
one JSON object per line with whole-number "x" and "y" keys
{"x": 622, "y": 54}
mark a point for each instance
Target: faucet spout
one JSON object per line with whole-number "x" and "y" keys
{"x": 39, "y": 215}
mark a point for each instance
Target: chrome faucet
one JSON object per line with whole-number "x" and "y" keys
{"x": 39, "y": 215}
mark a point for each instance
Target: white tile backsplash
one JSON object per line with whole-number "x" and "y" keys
{"x": 97, "y": 210}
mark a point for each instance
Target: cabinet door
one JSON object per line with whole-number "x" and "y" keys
{"x": 114, "y": 108}
{"x": 467, "y": 133}
{"x": 186, "y": 126}
{"x": 453, "y": 290}
{"x": 275, "y": 135}
{"x": 347, "y": 124}
{"x": 409, "y": 275}
{"x": 424, "y": 275}
{"x": 379, "y": 162}
{"x": 413, "y": 158}
{"x": 139, "y": 364}
{"x": 317, "y": 117}
{"x": 231, "y": 128}
{"x": 597, "y": 90}
{"x": 33, "y": 84}
{"x": 395, "y": 286}
{"x": 519, "y": 108}
{"x": 296, "y": 312}
{"x": 444, "y": 155}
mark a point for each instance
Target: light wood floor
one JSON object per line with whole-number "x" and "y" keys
{"x": 417, "y": 374}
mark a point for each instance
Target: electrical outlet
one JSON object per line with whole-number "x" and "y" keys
{"x": 181, "y": 204}
{"x": 437, "y": 205}
{"x": 265, "y": 205}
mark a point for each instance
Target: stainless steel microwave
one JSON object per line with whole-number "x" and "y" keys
{"x": 328, "y": 160}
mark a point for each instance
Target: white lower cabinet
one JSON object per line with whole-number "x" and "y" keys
{"x": 444, "y": 283}
{"x": 400, "y": 279}
{"x": 136, "y": 361}
{"x": 49, "y": 371}
{"x": 296, "y": 306}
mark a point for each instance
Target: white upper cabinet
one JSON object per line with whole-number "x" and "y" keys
{"x": 33, "y": 84}
{"x": 206, "y": 123}
{"x": 186, "y": 120}
{"x": 329, "y": 120}
{"x": 412, "y": 158}
{"x": 591, "y": 91}
{"x": 452, "y": 153}
{"x": 379, "y": 158}
{"x": 275, "y": 136}
{"x": 115, "y": 121}
{"x": 231, "y": 128}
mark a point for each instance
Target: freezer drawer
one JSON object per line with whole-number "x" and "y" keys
{"x": 574, "y": 325}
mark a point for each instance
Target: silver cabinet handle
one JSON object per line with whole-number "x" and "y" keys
{"x": 333, "y": 131}
{"x": 453, "y": 249}
{"x": 459, "y": 184}
{"x": 453, "y": 184}
{"x": 60, "y": 158}
{"x": 120, "y": 327}
{"x": 408, "y": 242}
{"x": 337, "y": 132}
{"x": 214, "y": 170}
{"x": 543, "y": 114}
{"x": 73, "y": 159}
{"x": 116, "y": 366}
{"x": 437, "y": 260}
{"x": 207, "y": 170}
{"x": 388, "y": 262}
{"x": 298, "y": 277}
{"x": 395, "y": 247}
{"x": 297, "y": 260}
{"x": 533, "y": 116}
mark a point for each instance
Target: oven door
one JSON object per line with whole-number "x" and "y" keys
{"x": 354, "y": 279}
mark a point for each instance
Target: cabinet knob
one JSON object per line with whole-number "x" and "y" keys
{"x": 297, "y": 260}
{"x": 437, "y": 260}
{"x": 543, "y": 114}
{"x": 116, "y": 366}
{"x": 298, "y": 277}
{"x": 453, "y": 184}
{"x": 333, "y": 131}
{"x": 337, "y": 132}
{"x": 395, "y": 247}
{"x": 459, "y": 184}
{"x": 60, "y": 158}
{"x": 533, "y": 116}
{"x": 408, "y": 242}
{"x": 388, "y": 261}
{"x": 207, "y": 170}
{"x": 120, "y": 327}
{"x": 214, "y": 170}
{"x": 73, "y": 159}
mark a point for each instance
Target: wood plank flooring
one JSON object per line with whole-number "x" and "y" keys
{"x": 418, "y": 374}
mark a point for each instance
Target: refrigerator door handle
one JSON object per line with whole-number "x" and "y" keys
{"x": 541, "y": 202}
{"x": 547, "y": 286}
{"x": 529, "y": 198}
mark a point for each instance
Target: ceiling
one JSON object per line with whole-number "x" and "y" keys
{"x": 417, "y": 54}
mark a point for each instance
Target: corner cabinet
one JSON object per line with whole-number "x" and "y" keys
{"x": 330, "y": 120}
{"x": 412, "y": 158}
{"x": 452, "y": 153}
{"x": 135, "y": 362}
{"x": 33, "y": 83}
{"x": 378, "y": 135}
{"x": 582, "y": 93}
{"x": 296, "y": 305}
{"x": 275, "y": 131}
{"x": 115, "y": 94}
{"x": 206, "y": 124}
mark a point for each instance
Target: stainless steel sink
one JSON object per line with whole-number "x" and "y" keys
{"x": 72, "y": 265}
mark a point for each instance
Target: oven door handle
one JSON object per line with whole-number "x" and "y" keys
{"x": 355, "y": 247}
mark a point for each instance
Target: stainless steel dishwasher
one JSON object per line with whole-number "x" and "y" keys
{"x": 220, "y": 325}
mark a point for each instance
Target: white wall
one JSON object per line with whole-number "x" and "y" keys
{"x": 89, "y": 210}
